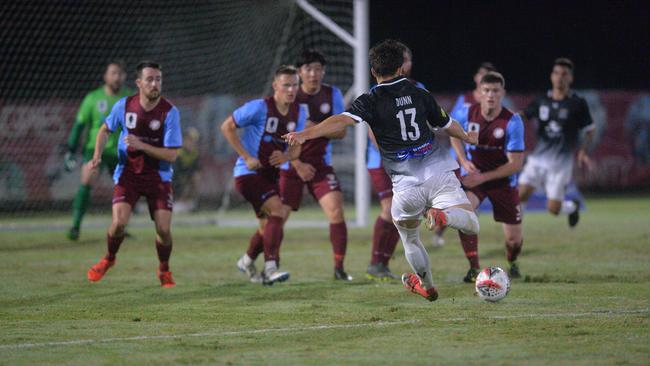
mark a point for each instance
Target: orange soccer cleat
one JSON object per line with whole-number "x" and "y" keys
{"x": 166, "y": 279}
{"x": 96, "y": 272}
{"x": 435, "y": 219}
{"x": 412, "y": 283}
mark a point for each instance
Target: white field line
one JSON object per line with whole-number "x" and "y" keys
{"x": 597, "y": 313}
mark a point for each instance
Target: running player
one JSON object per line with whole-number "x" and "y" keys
{"x": 94, "y": 108}
{"x": 314, "y": 166}
{"x": 261, "y": 152}
{"x": 148, "y": 145}
{"x": 562, "y": 116}
{"x": 384, "y": 235}
{"x": 401, "y": 117}
{"x": 492, "y": 167}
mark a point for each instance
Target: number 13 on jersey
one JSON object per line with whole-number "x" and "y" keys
{"x": 406, "y": 135}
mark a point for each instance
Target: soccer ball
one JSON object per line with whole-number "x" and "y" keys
{"x": 492, "y": 284}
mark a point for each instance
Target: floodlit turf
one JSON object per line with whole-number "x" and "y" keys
{"x": 585, "y": 300}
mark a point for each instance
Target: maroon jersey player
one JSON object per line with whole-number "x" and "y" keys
{"x": 314, "y": 166}
{"x": 492, "y": 166}
{"x": 149, "y": 141}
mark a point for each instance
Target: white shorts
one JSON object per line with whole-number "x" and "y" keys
{"x": 440, "y": 191}
{"x": 550, "y": 176}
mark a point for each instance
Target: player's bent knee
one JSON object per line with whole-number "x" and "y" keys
{"x": 408, "y": 224}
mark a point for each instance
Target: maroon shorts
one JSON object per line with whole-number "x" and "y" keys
{"x": 324, "y": 182}
{"x": 159, "y": 194}
{"x": 257, "y": 188}
{"x": 505, "y": 202}
{"x": 381, "y": 183}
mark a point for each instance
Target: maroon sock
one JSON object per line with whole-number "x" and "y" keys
{"x": 339, "y": 239}
{"x": 113, "y": 243}
{"x": 378, "y": 236}
{"x": 164, "y": 252}
{"x": 470, "y": 247}
{"x": 513, "y": 252}
{"x": 272, "y": 238}
{"x": 255, "y": 245}
{"x": 390, "y": 241}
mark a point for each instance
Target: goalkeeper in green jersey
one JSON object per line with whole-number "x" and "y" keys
{"x": 95, "y": 107}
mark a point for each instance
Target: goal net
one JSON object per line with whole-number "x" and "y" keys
{"x": 215, "y": 55}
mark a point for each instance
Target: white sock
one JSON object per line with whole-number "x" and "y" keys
{"x": 270, "y": 266}
{"x": 568, "y": 207}
{"x": 416, "y": 255}
{"x": 463, "y": 220}
{"x": 247, "y": 260}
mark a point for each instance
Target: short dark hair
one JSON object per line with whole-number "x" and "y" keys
{"x": 285, "y": 70}
{"x": 386, "y": 57}
{"x": 309, "y": 56}
{"x": 493, "y": 77}
{"x": 487, "y": 66}
{"x": 563, "y": 61}
{"x": 116, "y": 61}
{"x": 143, "y": 64}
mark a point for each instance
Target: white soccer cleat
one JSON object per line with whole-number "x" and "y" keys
{"x": 271, "y": 277}
{"x": 250, "y": 270}
{"x": 437, "y": 241}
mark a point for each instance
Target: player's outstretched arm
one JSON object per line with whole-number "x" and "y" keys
{"x": 330, "y": 126}
{"x": 459, "y": 148}
{"x": 229, "y": 131}
{"x": 100, "y": 142}
{"x": 457, "y": 131}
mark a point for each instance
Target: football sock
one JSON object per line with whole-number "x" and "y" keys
{"x": 416, "y": 255}
{"x": 164, "y": 252}
{"x": 463, "y": 220}
{"x": 339, "y": 239}
{"x": 379, "y": 234}
{"x": 470, "y": 247}
{"x": 390, "y": 242}
{"x": 568, "y": 207}
{"x": 513, "y": 251}
{"x": 80, "y": 204}
{"x": 270, "y": 266}
{"x": 272, "y": 238}
{"x": 113, "y": 243}
{"x": 255, "y": 245}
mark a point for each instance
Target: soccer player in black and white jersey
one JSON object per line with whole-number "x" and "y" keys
{"x": 562, "y": 118}
{"x": 402, "y": 117}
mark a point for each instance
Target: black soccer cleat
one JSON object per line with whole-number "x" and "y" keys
{"x": 73, "y": 233}
{"x": 574, "y": 216}
{"x": 513, "y": 272}
{"x": 470, "y": 277}
{"x": 340, "y": 275}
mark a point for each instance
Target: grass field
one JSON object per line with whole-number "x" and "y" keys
{"x": 585, "y": 300}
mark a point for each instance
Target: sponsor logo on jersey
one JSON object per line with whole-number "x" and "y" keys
{"x": 415, "y": 152}
{"x": 102, "y": 106}
{"x": 325, "y": 108}
{"x": 543, "y": 112}
{"x": 131, "y": 119}
{"x": 498, "y": 132}
{"x": 154, "y": 124}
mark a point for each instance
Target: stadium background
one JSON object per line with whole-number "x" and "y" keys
{"x": 218, "y": 54}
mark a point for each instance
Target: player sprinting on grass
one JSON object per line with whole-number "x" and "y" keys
{"x": 562, "y": 116}
{"x": 492, "y": 167}
{"x": 261, "y": 152}
{"x": 314, "y": 166}
{"x": 384, "y": 235}
{"x": 148, "y": 145}
{"x": 94, "y": 108}
{"x": 401, "y": 117}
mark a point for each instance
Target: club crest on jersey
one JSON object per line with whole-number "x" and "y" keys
{"x": 498, "y": 132}
{"x": 325, "y": 108}
{"x": 102, "y": 106}
{"x": 543, "y": 112}
{"x": 154, "y": 124}
{"x": 291, "y": 126}
{"x": 131, "y": 119}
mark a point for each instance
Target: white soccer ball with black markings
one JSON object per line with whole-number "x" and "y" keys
{"x": 492, "y": 284}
